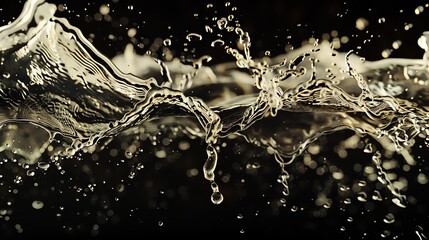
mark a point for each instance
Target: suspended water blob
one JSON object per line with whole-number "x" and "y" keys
{"x": 281, "y": 105}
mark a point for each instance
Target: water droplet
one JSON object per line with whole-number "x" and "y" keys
{"x": 120, "y": 187}
{"x": 240, "y": 216}
{"x": 385, "y": 233}
{"x": 396, "y": 44}
{"x": 423, "y": 41}
{"x": 217, "y": 43}
{"x": 368, "y": 148}
{"x": 419, "y": 232}
{"x": 104, "y": 9}
{"x": 30, "y": 173}
{"x": 132, "y": 32}
{"x": 362, "y": 196}
{"x": 210, "y": 164}
{"x": 139, "y": 166}
{"x": 167, "y": 42}
{"x": 6, "y": 75}
{"x": 386, "y": 53}
{"x": 208, "y": 29}
{"x": 43, "y": 165}
{"x": 377, "y": 196}
{"x": 344, "y": 188}
{"x": 160, "y": 223}
{"x": 419, "y": 10}
{"x": 362, "y": 183}
{"x": 216, "y": 197}
{"x": 398, "y": 202}
{"x": 222, "y": 23}
{"x": 18, "y": 179}
{"x": 255, "y": 165}
{"x": 389, "y": 218}
{"x": 194, "y": 36}
{"x": 361, "y": 23}
{"x": 381, "y": 20}
{"x": 37, "y": 204}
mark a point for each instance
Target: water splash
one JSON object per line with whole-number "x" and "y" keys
{"x": 59, "y": 96}
{"x": 419, "y": 233}
{"x": 54, "y": 56}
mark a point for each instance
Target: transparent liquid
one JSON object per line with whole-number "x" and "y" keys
{"x": 61, "y": 98}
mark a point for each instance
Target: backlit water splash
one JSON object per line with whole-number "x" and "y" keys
{"x": 64, "y": 103}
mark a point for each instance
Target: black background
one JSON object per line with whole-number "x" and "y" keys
{"x": 269, "y": 23}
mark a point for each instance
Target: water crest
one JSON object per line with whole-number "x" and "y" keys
{"x": 59, "y": 96}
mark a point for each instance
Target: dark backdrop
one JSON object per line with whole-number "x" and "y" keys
{"x": 161, "y": 200}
